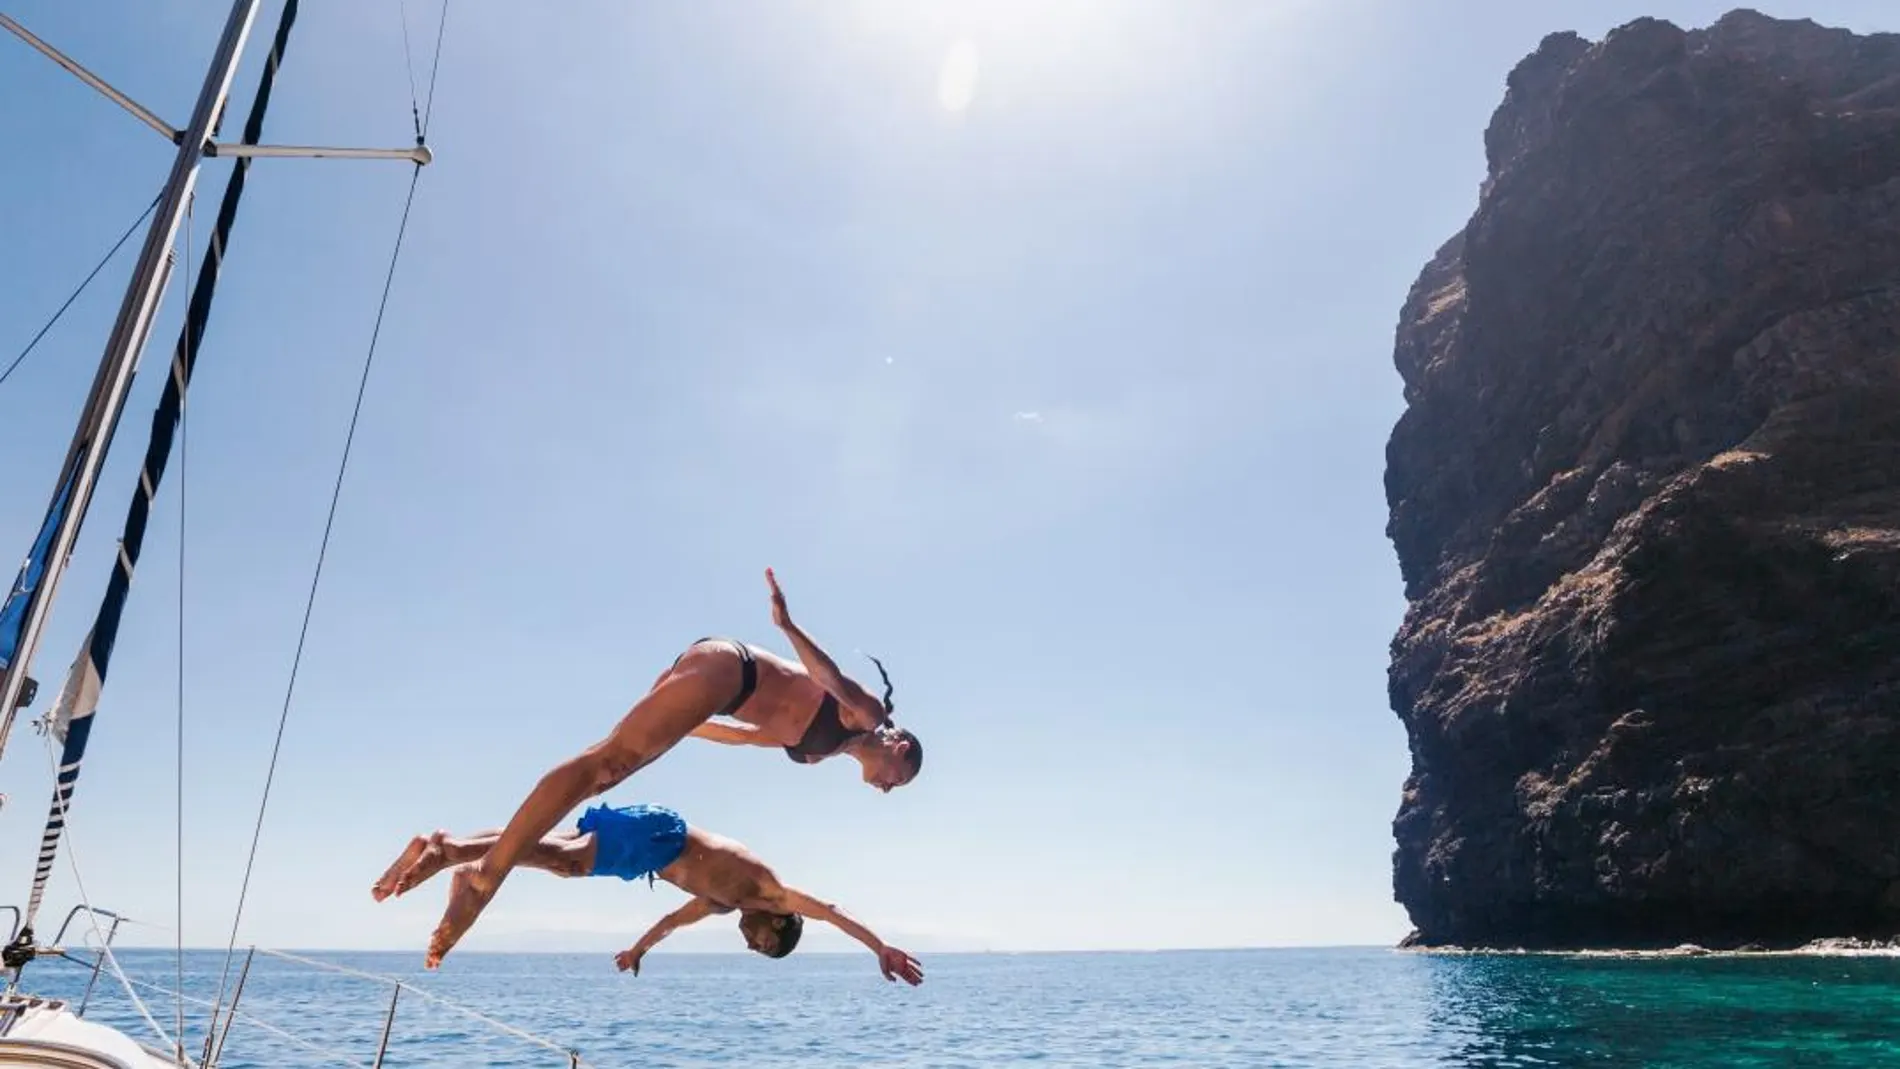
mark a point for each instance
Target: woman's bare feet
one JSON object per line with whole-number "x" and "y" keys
{"x": 385, "y": 884}
{"x": 467, "y": 897}
{"x": 433, "y": 859}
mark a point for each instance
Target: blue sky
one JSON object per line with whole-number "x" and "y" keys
{"x": 1070, "y": 403}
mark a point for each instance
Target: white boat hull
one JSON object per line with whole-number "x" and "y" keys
{"x": 44, "y": 1032}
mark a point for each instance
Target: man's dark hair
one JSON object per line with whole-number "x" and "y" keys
{"x": 915, "y": 755}
{"x": 789, "y": 927}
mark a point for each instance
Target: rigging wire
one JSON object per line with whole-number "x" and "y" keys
{"x": 270, "y": 775}
{"x": 100, "y": 266}
{"x": 435, "y": 68}
{"x": 178, "y": 825}
{"x": 572, "y": 1055}
{"x": 420, "y": 112}
{"x": 316, "y": 579}
{"x": 105, "y": 943}
{"x": 329, "y": 522}
{"x": 429, "y": 996}
{"x": 317, "y": 1049}
{"x": 409, "y": 61}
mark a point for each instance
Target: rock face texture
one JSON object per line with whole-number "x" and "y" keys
{"x": 1646, "y": 503}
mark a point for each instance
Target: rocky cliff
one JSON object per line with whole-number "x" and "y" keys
{"x": 1645, "y": 498}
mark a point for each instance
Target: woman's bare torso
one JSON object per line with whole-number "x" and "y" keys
{"x": 785, "y": 700}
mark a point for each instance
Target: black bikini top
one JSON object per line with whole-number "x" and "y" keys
{"x": 827, "y": 734}
{"x": 824, "y": 736}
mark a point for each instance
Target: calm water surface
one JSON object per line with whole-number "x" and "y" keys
{"x": 1321, "y": 1008}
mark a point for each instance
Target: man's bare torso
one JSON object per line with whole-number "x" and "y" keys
{"x": 722, "y": 871}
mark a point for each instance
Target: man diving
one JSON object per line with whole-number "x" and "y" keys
{"x": 647, "y": 841}
{"x": 812, "y": 709}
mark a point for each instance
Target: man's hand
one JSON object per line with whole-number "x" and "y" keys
{"x": 895, "y": 963}
{"x": 780, "y": 617}
{"x": 892, "y": 962}
{"x": 694, "y": 911}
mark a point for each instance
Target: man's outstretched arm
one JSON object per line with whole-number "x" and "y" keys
{"x": 893, "y": 962}
{"x": 691, "y": 913}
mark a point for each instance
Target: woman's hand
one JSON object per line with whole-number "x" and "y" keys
{"x": 779, "y": 615}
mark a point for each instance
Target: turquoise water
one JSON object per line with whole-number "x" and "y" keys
{"x": 1209, "y": 1010}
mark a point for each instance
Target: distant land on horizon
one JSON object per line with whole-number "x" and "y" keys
{"x": 709, "y": 945}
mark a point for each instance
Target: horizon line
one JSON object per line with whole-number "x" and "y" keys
{"x": 681, "y": 952}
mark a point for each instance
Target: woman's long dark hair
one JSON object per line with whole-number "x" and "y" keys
{"x": 889, "y": 709}
{"x": 915, "y": 754}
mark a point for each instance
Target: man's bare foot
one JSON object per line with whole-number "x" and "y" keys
{"x": 467, "y": 898}
{"x": 433, "y": 859}
{"x": 385, "y": 884}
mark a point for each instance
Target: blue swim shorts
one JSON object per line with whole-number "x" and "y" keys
{"x": 633, "y": 842}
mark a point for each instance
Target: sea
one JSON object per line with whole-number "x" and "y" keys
{"x": 1361, "y": 1007}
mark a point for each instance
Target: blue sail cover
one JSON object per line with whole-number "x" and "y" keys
{"x": 13, "y": 614}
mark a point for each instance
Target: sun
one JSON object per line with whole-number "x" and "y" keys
{"x": 957, "y": 77}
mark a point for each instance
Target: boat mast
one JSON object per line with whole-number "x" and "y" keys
{"x": 114, "y": 379}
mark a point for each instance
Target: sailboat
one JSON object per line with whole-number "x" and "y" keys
{"x": 37, "y": 1030}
